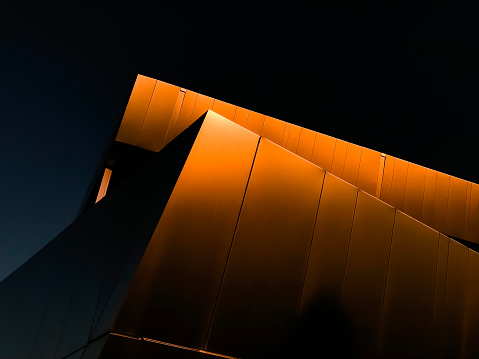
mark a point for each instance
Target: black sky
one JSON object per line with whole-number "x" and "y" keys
{"x": 400, "y": 79}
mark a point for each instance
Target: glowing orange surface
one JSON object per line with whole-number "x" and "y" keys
{"x": 158, "y": 117}
{"x": 192, "y": 239}
{"x": 351, "y": 164}
{"x": 255, "y": 122}
{"x": 184, "y": 117}
{"x": 323, "y": 151}
{"x": 329, "y": 249}
{"x": 104, "y": 184}
{"x": 410, "y": 289}
{"x": 414, "y": 196}
{"x": 369, "y": 171}
{"x": 203, "y": 103}
{"x": 439, "y": 214}
{"x": 398, "y": 184}
{"x": 293, "y": 138}
{"x": 273, "y": 129}
{"x": 241, "y": 116}
{"x": 306, "y": 143}
{"x": 224, "y": 109}
{"x": 339, "y": 157}
{"x": 456, "y": 207}
{"x": 136, "y": 110}
{"x": 262, "y": 284}
{"x": 367, "y": 268}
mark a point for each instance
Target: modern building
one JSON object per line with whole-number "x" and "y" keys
{"x": 216, "y": 231}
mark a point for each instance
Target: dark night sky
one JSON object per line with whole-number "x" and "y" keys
{"x": 400, "y": 79}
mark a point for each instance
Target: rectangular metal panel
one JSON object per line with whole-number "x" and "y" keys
{"x": 456, "y": 207}
{"x": 260, "y": 295}
{"x": 329, "y": 249}
{"x": 323, "y": 151}
{"x": 158, "y": 117}
{"x": 366, "y": 270}
{"x": 273, "y": 129}
{"x": 241, "y": 116}
{"x": 338, "y": 159}
{"x": 454, "y": 305}
{"x": 413, "y": 198}
{"x": 224, "y": 109}
{"x": 470, "y": 347}
{"x": 306, "y": 143}
{"x": 184, "y": 117}
{"x": 398, "y": 185}
{"x": 351, "y": 164}
{"x": 293, "y": 138}
{"x": 428, "y": 200}
{"x": 203, "y": 103}
{"x": 473, "y": 222}
{"x": 439, "y": 214}
{"x": 439, "y": 297}
{"x": 369, "y": 169}
{"x": 387, "y": 179}
{"x": 173, "y": 292}
{"x": 255, "y": 122}
{"x": 410, "y": 289}
{"x": 468, "y": 209}
{"x": 136, "y": 110}
{"x": 286, "y": 135}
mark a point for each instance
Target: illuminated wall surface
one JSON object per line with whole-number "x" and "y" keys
{"x": 240, "y": 235}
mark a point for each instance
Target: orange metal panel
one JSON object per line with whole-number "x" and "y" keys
{"x": 398, "y": 185}
{"x": 136, "y": 110}
{"x": 456, "y": 207}
{"x": 192, "y": 239}
{"x": 293, "y": 138}
{"x": 468, "y": 209}
{"x": 369, "y": 169}
{"x": 273, "y": 129}
{"x": 241, "y": 116}
{"x": 428, "y": 201}
{"x": 470, "y": 347}
{"x": 203, "y": 104}
{"x": 409, "y": 296}
{"x": 439, "y": 214}
{"x": 158, "y": 117}
{"x": 224, "y": 109}
{"x": 287, "y": 129}
{"x": 184, "y": 116}
{"x": 351, "y": 164}
{"x": 104, "y": 184}
{"x": 413, "y": 198}
{"x": 452, "y": 336}
{"x": 262, "y": 284}
{"x": 439, "y": 296}
{"x": 323, "y": 151}
{"x": 338, "y": 159}
{"x": 473, "y": 223}
{"x": 329, "y": 248}
{"x": 366, "y": 269}
{"x": 255, "y": 122}
{"x": 306, "y": 143}
{"x": 387, "y": 179}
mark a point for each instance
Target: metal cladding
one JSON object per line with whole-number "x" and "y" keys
{"x": 243, "y": 236}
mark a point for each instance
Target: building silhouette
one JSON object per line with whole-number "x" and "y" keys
{"x": 216, "y": 231}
